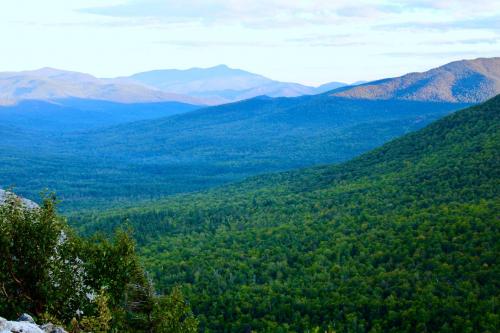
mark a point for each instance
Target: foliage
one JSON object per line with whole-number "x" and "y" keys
{"x": 401, "y": 239}
{"x": 48, "y": 271}
{"x": 173, "y": 315}
{"x": 102, "y": 322}
{"x": 32, "y": 269}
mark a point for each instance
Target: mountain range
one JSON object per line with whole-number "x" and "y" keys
{"x": 202, "y": 148}
{"x": 198, "y": 86}
{"x": 48, "y": 84}
{"x": 360, "y": 209}
{"x": 222, "y": 84}
{"x": 193, "y": 149}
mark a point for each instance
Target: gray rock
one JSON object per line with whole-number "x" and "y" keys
{"x": 26, "y": 317}
{"x": 28, "y": 203}
{"x": 18, "y": 327}
{"x": 3, "y": 324}
{"x": 51, "y": 328}
{"x": 26, "y": 324}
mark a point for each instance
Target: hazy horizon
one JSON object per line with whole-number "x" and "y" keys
{"x": 308, "y": 42}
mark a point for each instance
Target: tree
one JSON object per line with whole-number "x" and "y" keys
{"x": 172, "y": 314}
{"x": 50, "y": 272}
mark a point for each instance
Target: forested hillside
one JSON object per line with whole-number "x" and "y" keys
{"x": 466, "y": 81}
{"x": 401, "y": 239}
{"x": 146, "y": 160}
{"x": 82, "y": 114}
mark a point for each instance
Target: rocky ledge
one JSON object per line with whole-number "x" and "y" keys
{"x": 28, "y": 203}
{"x": 26, "y": 324}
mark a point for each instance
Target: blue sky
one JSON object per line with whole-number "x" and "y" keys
{"x": 307, "y": 41}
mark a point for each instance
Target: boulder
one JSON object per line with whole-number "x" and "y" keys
{"x": 27, "y": 203}
{"x": 26, "y": 317}
{"x": 26, "y": 324}
{"x": 18, "y": 327}
{"x": 51, "y": 328}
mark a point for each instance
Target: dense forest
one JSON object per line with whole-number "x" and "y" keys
{"x": 401, "y": 239}
{"x": 150, "y": 159}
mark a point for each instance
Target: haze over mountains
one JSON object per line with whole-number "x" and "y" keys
{"x": 73, "y": 114}
{"x": 466, "y": 81}
{"x": 50, "y": 84}
{"x": 222, "y": 84}
{"x": 188, "y": 150}
{"x": 198, "y": 86}
{"x": 403, "y": 238}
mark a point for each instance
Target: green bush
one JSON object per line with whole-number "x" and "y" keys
{"x": 96, "y": 284}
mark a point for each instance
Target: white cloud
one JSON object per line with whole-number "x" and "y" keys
{"x": 311, "y": 41}
{"x": 251, "y": 13}
{"x": 491, "y": 23}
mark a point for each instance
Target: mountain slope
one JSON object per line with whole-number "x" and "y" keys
{"x": 401, "y": 239}
{"x": 65, "y": 115}
{"x": 52, "y": 84}
{"x": 219, "y": 84}
{"x": 329, "y": 86}
{"x": 204, "y": 148}
{"x": 466, "y": 81}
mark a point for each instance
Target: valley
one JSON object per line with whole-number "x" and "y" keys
{"x": 342, "y": 208}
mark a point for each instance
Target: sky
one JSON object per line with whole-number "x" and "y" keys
{"x": 306, "y": 41}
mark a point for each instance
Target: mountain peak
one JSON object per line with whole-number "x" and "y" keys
{"x": 222, "y": 66}
{"x": 463, "y": 81}
{"x": 219, "y": 84}
{"x": 49, "y": 70}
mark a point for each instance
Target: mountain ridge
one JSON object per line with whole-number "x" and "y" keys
{"x": 50, "y": 84}
{"x": 196, "y": 86}
{"x": 72, "y": 114}
{"x": 221, "y": 83}
{"x": 466, "y": 81}
{"x": 205, "y": 147}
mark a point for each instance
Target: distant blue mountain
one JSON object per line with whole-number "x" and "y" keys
{"x": 329, "y": 86}
{"x": 80, "y": 114}
{"x": 47, "y": 84}
{"x": 198, "y": 86}
{"x": 217, "y": 85}
{"x": 189, "y": 151}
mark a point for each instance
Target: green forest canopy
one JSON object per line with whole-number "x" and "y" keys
{"x": 401, "y": 239}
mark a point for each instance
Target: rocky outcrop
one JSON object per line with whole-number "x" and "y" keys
{"x": 26, "y": 324}
{"x": 26, "y": 202}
